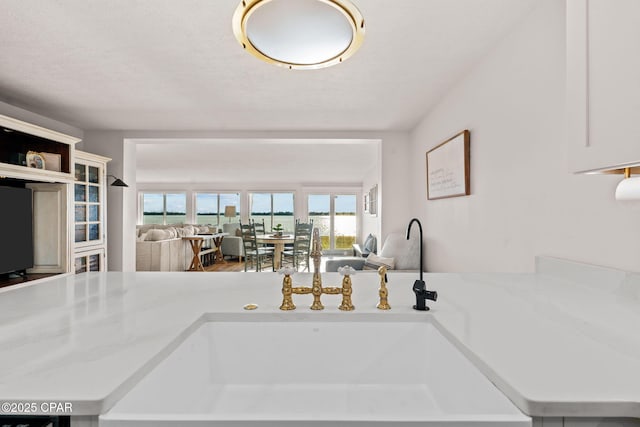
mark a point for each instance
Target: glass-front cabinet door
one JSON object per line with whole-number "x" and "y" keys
{"x": 89, "y": 201}
{"x": 88, "y": 195}
{"x": 92, "y": 260}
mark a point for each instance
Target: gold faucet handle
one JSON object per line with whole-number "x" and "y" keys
{"x": 287, "y": 290}
{"x": 346, "y": 289}
{"x": 346, "y": 270}
{"x": 383, "y": 292}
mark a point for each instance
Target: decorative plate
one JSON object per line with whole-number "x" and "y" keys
{"x": 35, "y": 160}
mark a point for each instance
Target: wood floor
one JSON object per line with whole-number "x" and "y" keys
{"x": 232, "y": 264}
{"x": 229, "y": 264}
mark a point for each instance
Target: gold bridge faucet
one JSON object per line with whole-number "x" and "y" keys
{"x": 316, "y": 288}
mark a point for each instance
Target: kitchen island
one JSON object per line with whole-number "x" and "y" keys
{"x": 561, "y": 343}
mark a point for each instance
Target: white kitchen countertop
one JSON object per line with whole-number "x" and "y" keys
{"x": 562, "y": 342}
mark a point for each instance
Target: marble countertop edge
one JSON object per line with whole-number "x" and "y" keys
{"x": 183, "y": 301}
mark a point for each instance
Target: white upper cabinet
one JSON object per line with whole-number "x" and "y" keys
{"x": 603, "y": 83}
{"x": 33, "y": 153}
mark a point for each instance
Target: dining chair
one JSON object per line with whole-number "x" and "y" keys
{"x": 260, "y": 230}
{"x": 259, "y": 226}
{"x": 253, "y": 253}
{"x": 299, "y": 253}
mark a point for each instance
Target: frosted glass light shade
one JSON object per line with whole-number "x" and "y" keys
{"x": 299, "y": 34}
{"x": 628, "y": 189}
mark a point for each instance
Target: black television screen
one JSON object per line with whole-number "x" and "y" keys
{"x": 16, "y": 215}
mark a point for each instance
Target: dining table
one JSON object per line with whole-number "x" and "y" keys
{"x": 278, "y": 243}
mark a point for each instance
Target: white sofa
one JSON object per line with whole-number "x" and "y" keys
{"x": 161, "y": 247}
{"x": 162, "y": 255}
{"x": 397, "y": 252}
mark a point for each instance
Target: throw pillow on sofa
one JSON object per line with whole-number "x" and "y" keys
{"x": 156, "y": 234}
{"x": 189, "y": 230}
{"x": 406, "y": 252}
{"x": 370, "y": 244}
{"x": 171, "y": 232}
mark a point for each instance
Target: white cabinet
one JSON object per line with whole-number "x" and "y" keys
{"x": 89, "y": 212}
{"x": 89, "y": 260}
{"x": 50, "y": 228}
{"x": 41, "y": 159}
{"x": 603, "y": 87}
{"x": 19, "y": 140}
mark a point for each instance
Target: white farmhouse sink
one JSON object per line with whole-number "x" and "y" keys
{"x": 315, "y": 369}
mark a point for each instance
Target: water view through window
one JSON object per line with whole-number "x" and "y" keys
{"x": 335, "y": 215}
{"x": 273, "y": 209}
{"x": 164, "y": 208}
{"x": 337, "y": 221}
{"x": 210, "y": 207}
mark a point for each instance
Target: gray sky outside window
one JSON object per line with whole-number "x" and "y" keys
{"x": 230, "y": 199}
{"x": 153, "y": 203}
{"x": 206, "y": 203}
{"x": 260, "y": 202}
{"x": 177, "y": 203}
{"x": 342, "y": 204}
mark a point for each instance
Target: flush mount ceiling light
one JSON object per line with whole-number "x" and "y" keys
{"x": 299, "y": 34}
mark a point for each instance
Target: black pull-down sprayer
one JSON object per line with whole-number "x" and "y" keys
{"x": 419, "y": 287}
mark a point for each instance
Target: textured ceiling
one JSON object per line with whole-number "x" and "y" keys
{"x": 174, "y": 64}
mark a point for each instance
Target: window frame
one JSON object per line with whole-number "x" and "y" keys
{"x": 250, "y": 194}
{"x": 332, "y": 193}
{"x": 141, "y": 213}
{"x": 220, "y": 214}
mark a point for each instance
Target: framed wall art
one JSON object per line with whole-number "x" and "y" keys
{"x": 373, "y": 200}
{"x": 448, "y": 167}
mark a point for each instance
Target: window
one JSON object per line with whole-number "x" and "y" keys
{"x": 164, "y": 208}
{"x": 345, "y": 221}
{"x": 210, "y": 207}
{"x": 319, "y": 206}
{"x": 335, "y": 217}
{"x": 230, "y": 199}
{"x": 273, "y": 208}
{"x": 207, "y": 208}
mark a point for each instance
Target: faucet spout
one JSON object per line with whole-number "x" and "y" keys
{"x": 419, "y": 287}
{"x": 417, "y": 221}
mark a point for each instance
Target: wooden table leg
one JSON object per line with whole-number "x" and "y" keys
{"x": 196, "y": 247}
{"x": 277, "y": 254}
{"x": 218, "y": 255}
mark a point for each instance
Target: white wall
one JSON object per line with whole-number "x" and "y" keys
{"x": 121, "y": 213}
{"x": 523, "y": 201}
{"x": 370, "y": 223}
{"x": 394, "y": 188}
{"x": 36, "y": 119}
